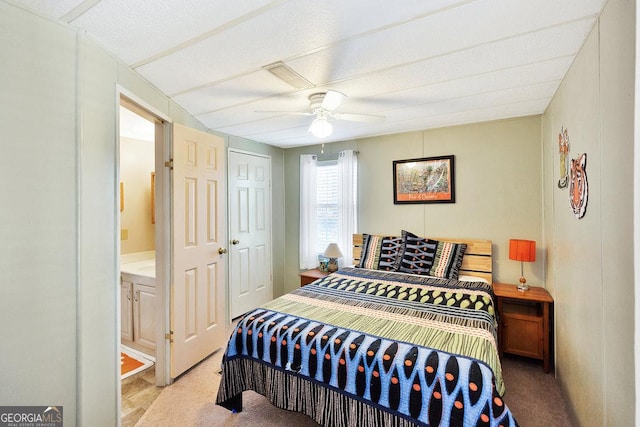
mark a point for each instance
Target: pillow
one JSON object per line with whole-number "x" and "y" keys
{"x": 398, "y": 261}
{"x": 370, "y": 256}
{"x": 379, "y": 252}
{"x": 418, "y": 254}
{"x": 447, "y": 260}
{"x": 390, "y": 251}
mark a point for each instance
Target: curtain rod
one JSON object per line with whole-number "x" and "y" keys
{"x": 332, "y": 156}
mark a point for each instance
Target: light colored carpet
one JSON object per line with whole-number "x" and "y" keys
{"x": 533, "y": 396}
{"x": 190, "y": 401}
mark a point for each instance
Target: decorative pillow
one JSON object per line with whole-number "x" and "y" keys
{"x": 448, "y": 259}
{"x": 418, "y": 254}
{"x": 379, "y": 252}
{"x": 390, "y": 251}
{"x": 398, "y": 261}
{"x": 370, "y": 256}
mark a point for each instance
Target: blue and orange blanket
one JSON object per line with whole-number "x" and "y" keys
{"x": 366, "y": 347}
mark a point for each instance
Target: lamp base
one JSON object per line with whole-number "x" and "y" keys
{"x": 523, "y": 285}
{"x": 333, "y": 265}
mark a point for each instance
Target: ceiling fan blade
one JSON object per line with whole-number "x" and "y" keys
{"x": 332, "y": 100}
{"x": 298, "y": 113}
{"x": 366, "y": 118}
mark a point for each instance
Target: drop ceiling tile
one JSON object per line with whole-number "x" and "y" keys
{"x": 437, "y": 36}
{"x": 527, "y": 49}
{"x": 546, "y": 71}
{"x": 51, "y": 9}
{"x": 302, "y": 27}
{"x": 239, "y": 91}
{"x": 135, "y": 31}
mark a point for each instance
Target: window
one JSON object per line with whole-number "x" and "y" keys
{"x": 328, "y": 206}
{"x": 327, "y": 214}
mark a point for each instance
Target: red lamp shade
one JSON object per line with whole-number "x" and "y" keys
{"x": 522, "y": 250}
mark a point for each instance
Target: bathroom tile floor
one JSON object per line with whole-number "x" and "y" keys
{"x": 138, "y": 393}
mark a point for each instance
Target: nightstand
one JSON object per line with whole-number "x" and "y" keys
{"x": 310, "y": 276}
{"x": 524, "y": 322}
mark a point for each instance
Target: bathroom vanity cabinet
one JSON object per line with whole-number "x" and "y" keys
{"x": 137, "y": 312}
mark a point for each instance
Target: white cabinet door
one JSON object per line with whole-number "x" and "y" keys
{"x": 126, "y": 310}
{"x": 144, "y": 311}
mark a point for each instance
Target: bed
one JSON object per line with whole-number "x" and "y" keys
{"x": 376, "y": 344}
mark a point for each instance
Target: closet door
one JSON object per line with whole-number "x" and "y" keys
{"x": 250, "y": 275}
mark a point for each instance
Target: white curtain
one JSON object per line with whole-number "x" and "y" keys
{"x": 308, "y": 209}
{"x": 347, "y": 204}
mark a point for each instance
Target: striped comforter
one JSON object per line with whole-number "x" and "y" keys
{"x": 366, "y": 347}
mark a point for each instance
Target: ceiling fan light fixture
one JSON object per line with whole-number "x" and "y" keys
{"x": 321, "y": 128}
{"x": 332, "y": 99}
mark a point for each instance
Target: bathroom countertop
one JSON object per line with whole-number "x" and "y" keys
{"x": 140, "y": 268}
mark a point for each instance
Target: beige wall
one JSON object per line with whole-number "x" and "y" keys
{"x": 58, "y": 293}
{"x": 498, "y": 168}
{"x": 137, "y": 162}
{"x": 38, "y": 219}
{"x": 590, "y": 273}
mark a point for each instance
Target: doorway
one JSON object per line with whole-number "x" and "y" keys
{"x": 187, "y": 207}
{"x": 137, "y": 234}
{"x": 142, "y": 247}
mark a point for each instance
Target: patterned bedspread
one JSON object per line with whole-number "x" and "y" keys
{"x": 367, "y": 347}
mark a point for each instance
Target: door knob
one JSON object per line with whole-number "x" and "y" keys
{"x": 222, "y": 251}
{"x": 235, "y": 242}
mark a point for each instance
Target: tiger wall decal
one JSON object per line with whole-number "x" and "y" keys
{"x": 579, "y": 186}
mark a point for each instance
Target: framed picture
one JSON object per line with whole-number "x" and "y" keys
{"x": 426, "y": 180}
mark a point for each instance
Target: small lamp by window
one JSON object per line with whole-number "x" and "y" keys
{"x": 333, "y": 253}
{"x": 523, "y": 251}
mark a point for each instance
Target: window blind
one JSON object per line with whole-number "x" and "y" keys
{"x": 328, "y": 215}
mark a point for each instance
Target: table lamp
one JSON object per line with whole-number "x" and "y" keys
{"x": 333, "y": 253}
{"x": 523, "y": 251}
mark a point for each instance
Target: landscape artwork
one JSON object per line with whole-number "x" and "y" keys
{"x": 425, "y": 180}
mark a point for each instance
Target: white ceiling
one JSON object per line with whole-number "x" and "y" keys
{"x": 422, "y": 64}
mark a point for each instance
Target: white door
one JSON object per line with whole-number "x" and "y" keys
{"x": 197, "y": 297}
{"x": 250, "y": 281}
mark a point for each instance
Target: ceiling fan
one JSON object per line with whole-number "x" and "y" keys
{"x": 323, "y": 106}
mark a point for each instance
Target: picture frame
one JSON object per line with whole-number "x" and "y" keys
{"x": 424, "y": 180}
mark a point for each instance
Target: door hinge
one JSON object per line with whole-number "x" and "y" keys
{"x": 169, "y": 336}
{"x": 169, "y": 164}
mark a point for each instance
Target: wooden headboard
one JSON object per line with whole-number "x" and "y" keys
{"x": 476, "y": 261}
